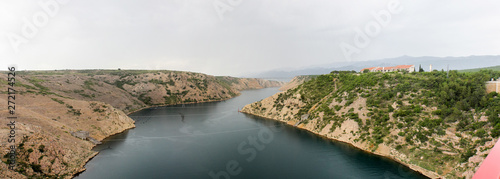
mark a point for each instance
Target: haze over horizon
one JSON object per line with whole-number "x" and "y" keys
{"x": 234, "y": 38}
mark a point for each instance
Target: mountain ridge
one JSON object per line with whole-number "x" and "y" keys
{"x": 438, "y": 63}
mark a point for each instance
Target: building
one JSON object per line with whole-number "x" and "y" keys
{"x": 493, "y": 86}
{"x": 408, "y": 68}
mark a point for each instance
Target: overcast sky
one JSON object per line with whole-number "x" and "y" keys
{"x": 236, "y": 37}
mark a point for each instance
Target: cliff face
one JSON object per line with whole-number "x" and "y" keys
{"x": 296, "y": 81}
{"x": 442, "y": 127}
{"x": 45, "y": 145}
{"x": 51, "y": 105}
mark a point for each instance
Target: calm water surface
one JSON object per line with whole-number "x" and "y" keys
{"x": 214, "y": 140}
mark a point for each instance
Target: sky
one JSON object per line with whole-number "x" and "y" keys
{"x": 238, "y": 37}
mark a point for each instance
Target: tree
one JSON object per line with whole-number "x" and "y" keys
{"x": 496, "y": 131}
{"x": 420, "y": 69}
{"x": 366, "y": 71}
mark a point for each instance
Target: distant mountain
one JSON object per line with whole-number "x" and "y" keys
{"x": 495, "y": 68}
{"x": 438, "y": 63}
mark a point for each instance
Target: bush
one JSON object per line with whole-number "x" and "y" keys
{"x": 57, "y": 100}
{"x": 466, "y": 155}
{"x": 36, "y": 168}
{"x": 145, "y": 99}
{"x": 401, "y": 113}
{"x": 41, "y": 148}
{"x": 337, "y": 107}
{"x": 496, "y": 131}
{"x": 390, "y": 108}
{"x": 402, "y": 134}
{"x": 421, "y": 137}
{"x": 480, "y": 133}
{"x": 400, "y": 125}
{"x": 441, "y": 132}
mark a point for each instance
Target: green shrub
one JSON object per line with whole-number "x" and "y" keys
{"x": 480, "y": 133}
{"x": 57, "y": 100}
{"x": 41, "y": 148}
{"x": 36, "y": 168}
{"x": 402, "y": 134}
{"x": 496, "y": 131}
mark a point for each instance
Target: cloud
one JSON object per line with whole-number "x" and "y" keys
{"x": 253, "y": 36}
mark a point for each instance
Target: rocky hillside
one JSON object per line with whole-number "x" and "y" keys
{"x": 63, "y": 114}
{"x": 442, "y": 127}
{"x": 296, "y": 81}
{"x": 130, "y": 90}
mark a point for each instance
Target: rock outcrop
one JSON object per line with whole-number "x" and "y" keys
{"x": 296, "y": 81}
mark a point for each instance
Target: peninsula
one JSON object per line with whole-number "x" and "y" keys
{"x": 442, "y": 125}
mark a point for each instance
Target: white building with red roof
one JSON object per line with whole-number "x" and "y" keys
{"x": 408, "y": 68}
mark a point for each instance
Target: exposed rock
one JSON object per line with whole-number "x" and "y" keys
{"x": 296, "y": 81}
{"x": 84, "y": 135}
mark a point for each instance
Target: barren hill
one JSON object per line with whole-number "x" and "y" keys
{"x": 53, "y": 107}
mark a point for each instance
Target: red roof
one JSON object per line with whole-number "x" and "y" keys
{"x": 403, "y": 66}
{"x": 388, "y": 68}
{"x": 371, "y": 68}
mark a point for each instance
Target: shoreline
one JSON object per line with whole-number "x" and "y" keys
{"x": 415, "y": 168}
{"x": 410, "y": 166}
{"x": 82, "y": 167}
{"x": 88, "y": 159}
{"x": 210, "y": 101}
{"x": 164, "y": 105}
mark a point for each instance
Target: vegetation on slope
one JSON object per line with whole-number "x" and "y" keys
{"x": 296, "y": 81}
{"x": 494, "y": 68}
{"x": 438, "y": 122}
